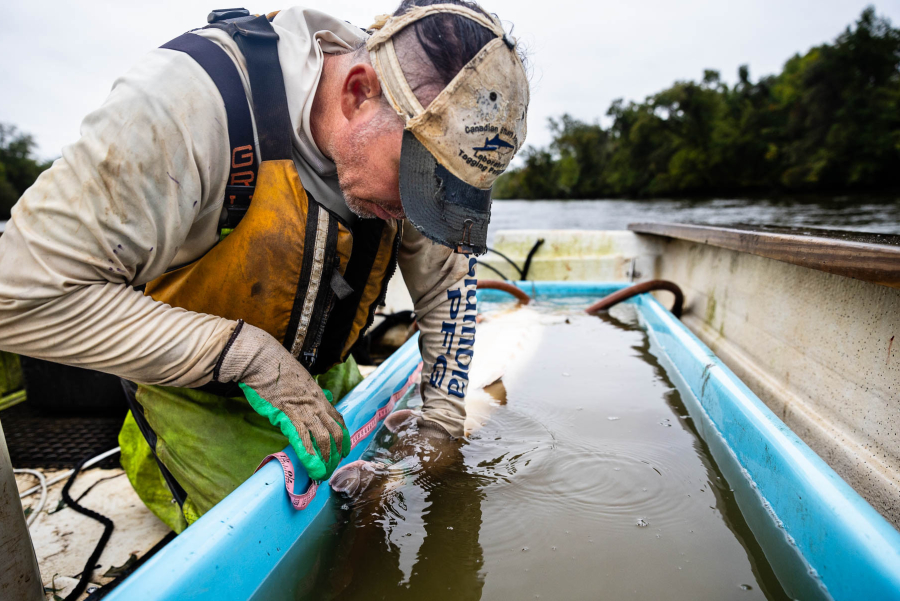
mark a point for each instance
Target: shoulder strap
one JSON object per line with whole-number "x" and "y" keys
{"x": 258, "y": 42}
{"x": 219, "y": 66}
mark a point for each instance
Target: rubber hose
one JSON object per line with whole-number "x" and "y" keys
{"x": 617, "y": 297}
{"x": 505, "y": 287}
{"x": 104, "y": 538}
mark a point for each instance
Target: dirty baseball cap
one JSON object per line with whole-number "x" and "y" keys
{"x": 454, "y": 149}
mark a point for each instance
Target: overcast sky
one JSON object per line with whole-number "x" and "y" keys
{"x": 61, "y": 58}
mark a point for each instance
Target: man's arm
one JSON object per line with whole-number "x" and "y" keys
{"x": 442, "y": 285}
{"x": 141, "y": 190}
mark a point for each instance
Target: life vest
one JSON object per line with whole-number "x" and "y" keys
{"x": 285, "y": 263}
{"x": 289, "y": 265}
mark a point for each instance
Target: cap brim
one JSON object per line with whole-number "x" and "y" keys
{"x": 440, "y": 205}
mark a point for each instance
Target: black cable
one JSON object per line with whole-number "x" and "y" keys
{"x": 508, "y": 260}
{"x": 104, "y": 538}
{"x": 107, "y": 588}
{"x": 530, "y": 256}
{"x": 495, "y": 270}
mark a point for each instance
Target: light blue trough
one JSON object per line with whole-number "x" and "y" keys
{"x": 821, "y": 538}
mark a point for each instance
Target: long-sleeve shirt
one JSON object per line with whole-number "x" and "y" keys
{"x": 142, "y": 190}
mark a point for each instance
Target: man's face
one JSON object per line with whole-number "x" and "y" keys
{"x": 367, "y": 157}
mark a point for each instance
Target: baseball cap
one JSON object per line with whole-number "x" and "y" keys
{"x": 455, "y": 148}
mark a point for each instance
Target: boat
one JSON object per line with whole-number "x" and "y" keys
{"x": 807, "y": 318}
{"x": 811, "y": 516}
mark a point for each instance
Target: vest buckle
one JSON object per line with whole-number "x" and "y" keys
{"x": 257, "y": 28}
{"x": 221, "y": 14}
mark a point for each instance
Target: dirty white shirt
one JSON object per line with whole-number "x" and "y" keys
{"x": 143, "y": 189}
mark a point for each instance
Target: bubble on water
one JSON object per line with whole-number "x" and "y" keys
{"x": 524, "y": 548}
{"x": 449, "y": 527}
{"x": 345, "y": 507}
{"x": 665, "y": 423}
{"x": 746, "y": 587}
{"x": 613, "y": 418}
{"x": 642, "y": 523}
{"x": 566, "y": 374}
{"x": 657, "y": 536}
{"x": 617, "y": 469}
{"x": 553, "y": 548}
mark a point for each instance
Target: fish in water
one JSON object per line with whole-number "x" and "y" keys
{"x": 504, "y": 343}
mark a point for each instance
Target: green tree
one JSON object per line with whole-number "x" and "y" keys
{"x": 830, "y": 121}
{"x": 841, "y": 103}
{"x": 536, "y": 179}
{"x": 583, "y": 150}
{"x": 18, "y": 168}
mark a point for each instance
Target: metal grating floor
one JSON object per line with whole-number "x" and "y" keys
{"x": 37, "y": 441}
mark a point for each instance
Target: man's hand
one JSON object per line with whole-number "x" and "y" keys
{"x": 278, "y": 387}
{"x": 417, "y": 442}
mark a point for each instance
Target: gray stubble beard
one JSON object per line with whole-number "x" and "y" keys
{"x": 379, "y": 125}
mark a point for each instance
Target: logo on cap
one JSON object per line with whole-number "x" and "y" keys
{"x": 494, "y": 144}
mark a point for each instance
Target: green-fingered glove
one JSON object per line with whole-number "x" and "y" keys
{"x": 279, "y": 388}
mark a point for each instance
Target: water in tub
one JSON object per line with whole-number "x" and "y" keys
{"x": 582, "y": 477}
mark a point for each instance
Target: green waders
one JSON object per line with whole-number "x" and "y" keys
{"x": 209, "y": 443}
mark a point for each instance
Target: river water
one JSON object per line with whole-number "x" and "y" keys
{"x": 585, "y": 478}
{"x": 861, "y": 213}
{"x": 867, "y": 214}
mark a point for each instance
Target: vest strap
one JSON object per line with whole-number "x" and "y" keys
{"x": 217, "y": 64}
{"x": 258, "y": 42}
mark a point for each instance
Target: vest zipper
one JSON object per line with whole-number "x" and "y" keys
{"x": 310, "y": 354}
{"x": 322, "y": 309}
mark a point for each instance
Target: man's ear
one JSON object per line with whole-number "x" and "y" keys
{"x": 360, "y": 92}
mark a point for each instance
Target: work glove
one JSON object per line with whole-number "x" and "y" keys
{"x": 279, "y": 388}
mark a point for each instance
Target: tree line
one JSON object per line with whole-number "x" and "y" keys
{"x": 18, "y": 166}
{"x": 830, "y": 121}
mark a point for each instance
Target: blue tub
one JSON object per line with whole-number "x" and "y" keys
{"x": 806, "y": 518}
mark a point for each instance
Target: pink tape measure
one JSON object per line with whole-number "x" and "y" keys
{"x": 302, "y": 501}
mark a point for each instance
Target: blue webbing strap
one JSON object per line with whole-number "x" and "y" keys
{"x": 219, "y": 66}
{"x": 258, "y": 42}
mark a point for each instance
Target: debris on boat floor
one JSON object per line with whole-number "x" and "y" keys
{"x": 63, "y": 539}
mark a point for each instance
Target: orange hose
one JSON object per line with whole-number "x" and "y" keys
{"x": 498, "y": 285}
{"x": 617, "y": 297}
